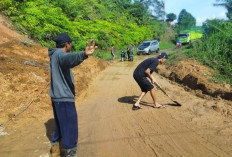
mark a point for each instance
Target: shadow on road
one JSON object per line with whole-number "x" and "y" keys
{"x": 49, "y": 128}
{"x": 132, "y": 100}
{"x": 173, "y": 104}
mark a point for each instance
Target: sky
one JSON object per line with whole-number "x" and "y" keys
{"x": 200, "y": 9}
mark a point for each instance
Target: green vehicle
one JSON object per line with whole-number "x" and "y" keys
{"x": 188, "y": 35}
{"x": 184, "y": 38}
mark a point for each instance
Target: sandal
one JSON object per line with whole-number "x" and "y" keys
{"x": 160, "y": 106}
{"x": 136, "y": 107}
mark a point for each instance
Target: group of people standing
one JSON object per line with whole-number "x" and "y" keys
{"x": 128, "y": 53}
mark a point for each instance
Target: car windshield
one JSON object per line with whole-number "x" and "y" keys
{"x": 182, "y": 35}
{"x": 145, "y": 44}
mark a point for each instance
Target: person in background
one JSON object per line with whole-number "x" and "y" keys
{"x": 178, "y": 44}
{"x": 62, "y": 93}
{"x": 142, "y": 75}
{"x": 123, "y": 55}
{"x": 130, "y": 52}
{"x": 112, "y": 52}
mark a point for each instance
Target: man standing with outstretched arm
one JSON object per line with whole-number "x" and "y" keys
{"x": 142, "y": 73}
{"x": 62, "y": 93}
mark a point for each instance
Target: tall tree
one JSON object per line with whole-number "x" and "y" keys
{"x": 186, "y": 20}
{"x": 157, "y": 7}
{"x": 228, "y": 5}
{"x": 171, "y": 17}
{"x": 139, "y": 11}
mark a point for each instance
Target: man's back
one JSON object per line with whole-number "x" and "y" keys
{"x": 150, "y": 63}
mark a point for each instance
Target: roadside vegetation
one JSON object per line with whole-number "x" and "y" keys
{"x": 214, "y": 49}
{"x": 118, "y": 23}
{"x": 110, "y": 22}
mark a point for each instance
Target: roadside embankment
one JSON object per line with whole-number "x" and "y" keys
{"x": 193, "y": 75}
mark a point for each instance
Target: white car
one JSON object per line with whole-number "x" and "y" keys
{"x": 147, "y": 47}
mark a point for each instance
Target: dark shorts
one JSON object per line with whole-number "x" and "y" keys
{"x": 144, "y": 84}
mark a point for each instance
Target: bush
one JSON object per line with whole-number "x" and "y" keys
{"x": 82, "y": 20}
{"x": 215, "y": 48}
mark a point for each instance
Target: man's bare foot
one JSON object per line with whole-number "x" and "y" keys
{"x": 157, "y": 105}
{"x": 136, "y": 104}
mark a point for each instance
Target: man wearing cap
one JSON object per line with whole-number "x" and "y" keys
{"x": 62, "y": 93}
{"x": 142, "y": 73}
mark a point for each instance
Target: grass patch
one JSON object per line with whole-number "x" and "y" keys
{"x": 102, "y": 54}
{"x": 106, "y": 55}
{"x": 166, "y": 45}
{"x": 176, "y": 56}
{"x": 219, "y": 78}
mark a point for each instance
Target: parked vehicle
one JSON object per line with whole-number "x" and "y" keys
{"x": 186, "y": 36}
{"x": 147, "y": 47}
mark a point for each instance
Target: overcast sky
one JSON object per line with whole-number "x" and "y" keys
{"x": 200, "y": 9}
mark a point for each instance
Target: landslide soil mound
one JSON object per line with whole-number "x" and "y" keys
{"x": 24, "y": 74}
{"x": 193, "y": 75}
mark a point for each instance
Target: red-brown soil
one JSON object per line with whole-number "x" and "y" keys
{"x": 24, "y": 73}
{"x": 194, "y": 75}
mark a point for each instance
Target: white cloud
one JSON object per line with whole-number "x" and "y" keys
{"x": 221, "y": 15}
{"x": 200, "y": 20}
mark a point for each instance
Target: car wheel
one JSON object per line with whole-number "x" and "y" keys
{"x": 149, "y": 52}
{"x": 138, "y": 53}
{"x": 157, "y": 51}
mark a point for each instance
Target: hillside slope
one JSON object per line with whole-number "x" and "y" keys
{"x": 24, "y": 73}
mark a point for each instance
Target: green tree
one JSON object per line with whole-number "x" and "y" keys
{"x": 117, "y": 22}
{"x": 186, "y": 20}
{"x": 157, "y": 8}
{"x": 139, "y": 12}
{"x": 228, "y": 5}
{"x": 171, "y": 17}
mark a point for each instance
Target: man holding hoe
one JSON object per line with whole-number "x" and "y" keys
{"x": 142, "y": 73}
{"x": 62, "y": 93}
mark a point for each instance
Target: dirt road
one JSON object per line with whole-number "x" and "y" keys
{"x": 108, "y": 126}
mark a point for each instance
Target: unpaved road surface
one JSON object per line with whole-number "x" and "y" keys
{"x": 108, "y": 127}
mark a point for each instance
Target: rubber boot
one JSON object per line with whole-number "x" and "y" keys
{"x": 70, "y": 152}
{"x": 55, "y": 149}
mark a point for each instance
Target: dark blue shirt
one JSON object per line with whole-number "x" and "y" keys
{"x": 150, "y": 63}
